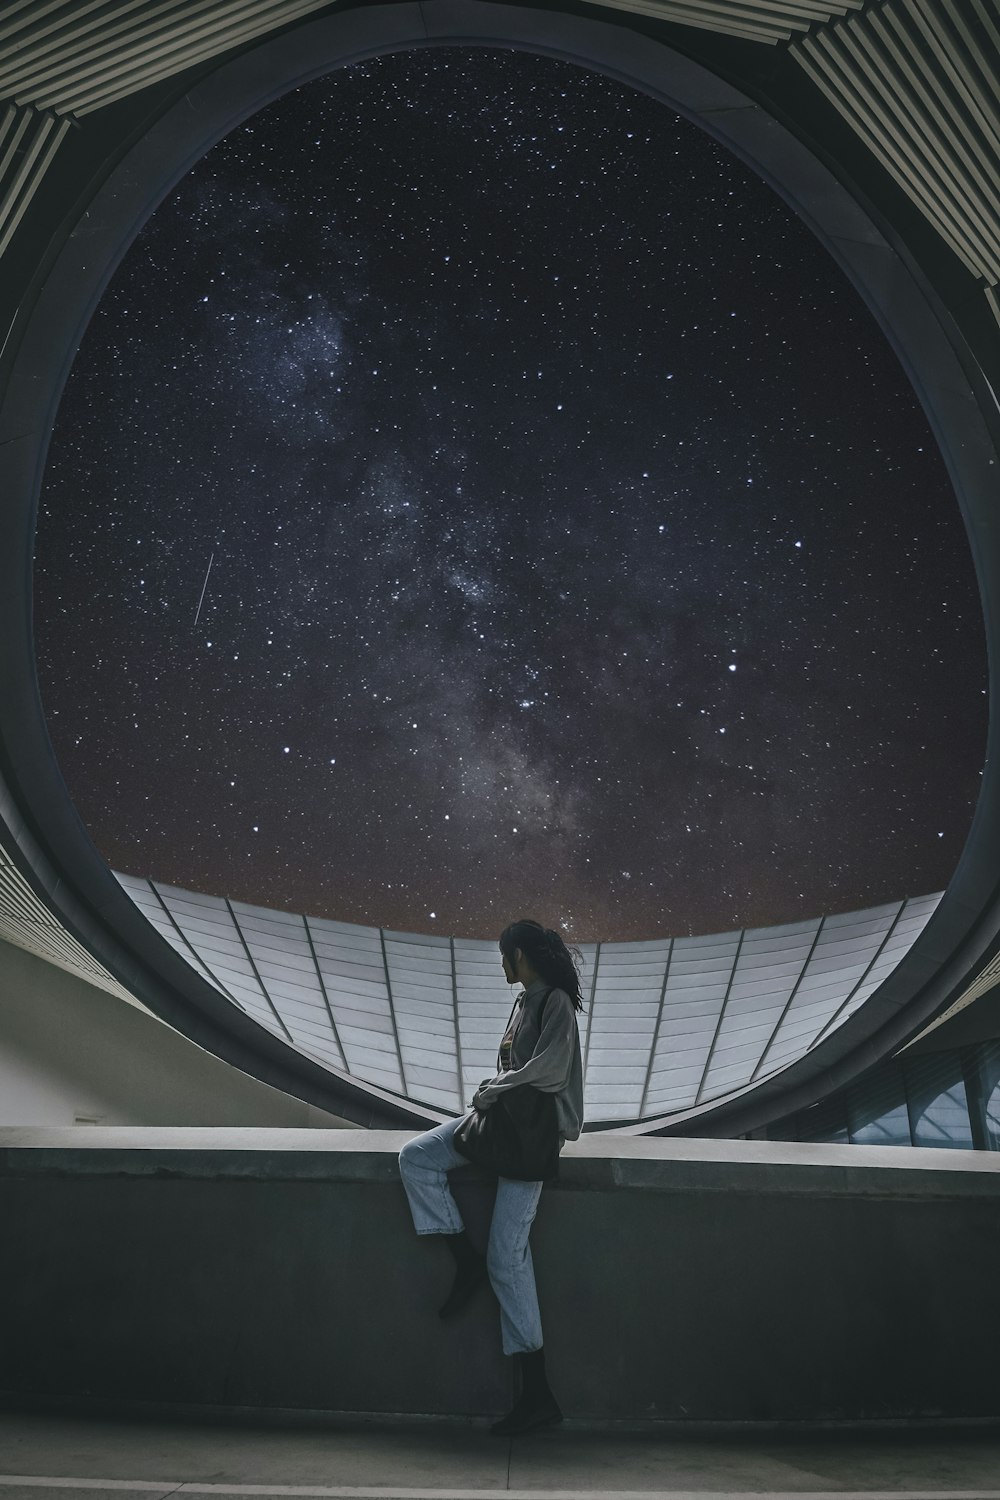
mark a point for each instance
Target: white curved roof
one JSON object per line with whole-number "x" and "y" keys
{"x": 669, "y": 1023}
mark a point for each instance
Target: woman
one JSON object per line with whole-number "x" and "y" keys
{"x": 547, "y": 1057}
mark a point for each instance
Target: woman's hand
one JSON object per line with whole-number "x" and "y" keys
{"x": 481, "y": 1099}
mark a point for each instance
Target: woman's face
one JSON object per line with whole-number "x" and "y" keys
{"x": 508, "y": 967}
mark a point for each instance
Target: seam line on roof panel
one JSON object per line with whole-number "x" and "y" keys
{"x": 196, "y": 956}
{"x": 263, "y": 987}
{"x": 326, "y": 997}
{"x": 656, "y": 1028}
{"x": 868, "y": 968}
{"x": 590, "y": 1013}
{"x": 392, "y": 1013}
{"x": 458, "y": 1039}
{"x": 788, "y": 1003}
{"x": 722, "y": 1013}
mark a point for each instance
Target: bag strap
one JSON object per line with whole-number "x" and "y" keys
{"x": 541, "y": 1016}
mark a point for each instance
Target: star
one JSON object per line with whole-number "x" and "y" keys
{"x": 344, "y": 396}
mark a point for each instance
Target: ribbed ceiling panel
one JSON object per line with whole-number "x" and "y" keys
{"x": 28, "y": 142}
{"x": 27, "y": 923}
{"x": 989, "y": 979}
{"x": 919, "y": 82}
{"x": 74, "y": 57}
{"x": 769, "y": 21}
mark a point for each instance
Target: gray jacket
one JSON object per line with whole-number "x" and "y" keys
{"x": 549, "y": 1061}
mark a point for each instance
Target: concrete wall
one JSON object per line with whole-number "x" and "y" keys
{"x": 69, "y": 1051}
{"x": 679, "y": 1280}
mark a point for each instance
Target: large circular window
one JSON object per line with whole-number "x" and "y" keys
{"x": 478, "y": 494}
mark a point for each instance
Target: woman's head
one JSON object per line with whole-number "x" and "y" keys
{"x": 546, "y": 953}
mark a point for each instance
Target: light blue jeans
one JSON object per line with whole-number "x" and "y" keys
{"x": 424, "y": 1164}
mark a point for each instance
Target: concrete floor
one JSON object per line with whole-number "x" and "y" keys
{"x": 44, "y": 1455}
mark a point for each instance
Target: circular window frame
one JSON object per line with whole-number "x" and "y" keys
{"x": 53, "y": 847}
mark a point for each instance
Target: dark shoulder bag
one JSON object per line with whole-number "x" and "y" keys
{"x": 518, "y": 1136}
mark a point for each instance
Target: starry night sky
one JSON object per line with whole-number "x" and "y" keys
{"x": 575, "y": 546}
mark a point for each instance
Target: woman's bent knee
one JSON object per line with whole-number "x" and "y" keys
{"x": 408, "y": 1155}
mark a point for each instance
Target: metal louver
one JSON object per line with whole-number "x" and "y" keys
{"x": 770, "y": 21}
{"x": 27, "y": 923}
{"x": 987, "y": 980}
{"x": 919, "y": 82}
{"x": 28, "y": 142}
{"x": 73, "y": 58}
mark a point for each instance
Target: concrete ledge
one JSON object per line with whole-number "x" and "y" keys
{"x": 594, "y": 1163}
{"x": 680, "y": 1281}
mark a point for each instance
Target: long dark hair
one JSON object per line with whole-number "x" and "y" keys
{"x": 547, "y": 954}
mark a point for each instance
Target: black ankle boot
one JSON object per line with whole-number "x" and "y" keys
{"x": 536, "y": 1406}
{"x": 470, "y": 1274}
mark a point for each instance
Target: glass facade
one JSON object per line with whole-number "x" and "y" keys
{"x": 948, "y": 1099}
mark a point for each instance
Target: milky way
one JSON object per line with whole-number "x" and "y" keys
{"x": 478, "y": 495}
